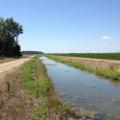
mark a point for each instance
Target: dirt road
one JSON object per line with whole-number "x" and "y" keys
{"x": 7, "y": 67}
{"x": 14, "y": 104}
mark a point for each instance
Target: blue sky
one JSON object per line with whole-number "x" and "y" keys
{"x": 66, "y": 25}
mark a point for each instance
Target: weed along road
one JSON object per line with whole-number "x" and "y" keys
{"x": 84, "y": 89}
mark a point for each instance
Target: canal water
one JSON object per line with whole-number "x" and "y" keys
{"x": 84, "y": 89}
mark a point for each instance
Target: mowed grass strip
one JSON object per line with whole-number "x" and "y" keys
{"x": 41, "y": 90}
{"x": 105, "y": 72}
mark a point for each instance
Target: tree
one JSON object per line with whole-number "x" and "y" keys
{"x": 13, "y": 28}
{"x": 9, "y": 32}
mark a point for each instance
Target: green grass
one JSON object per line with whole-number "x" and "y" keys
{"x": 40, "y": 87}
{"x": 107, "y": 73}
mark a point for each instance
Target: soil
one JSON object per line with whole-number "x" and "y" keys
{"x": 14, "y": 104}
{"x": 8, "y": 59}
{"x": 8, "y": 66}
{"x": 4, "y": 60}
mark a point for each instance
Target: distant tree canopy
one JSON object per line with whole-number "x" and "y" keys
{"x": 9, "y": 32}
{"x": 31, "y": 52}
{"x": 110, "y": 56}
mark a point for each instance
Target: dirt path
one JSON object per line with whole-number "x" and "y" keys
{"x": 5, "y": 60}
{"x": 7, "y": 67}
{"x": 14, "y": 104}
{"x": 12, "y": 65}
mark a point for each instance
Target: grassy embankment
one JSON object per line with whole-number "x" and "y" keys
{"x": 40, "y": 88}
{"x": 107, "y": 72}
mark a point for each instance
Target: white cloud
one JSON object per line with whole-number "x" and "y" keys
{"x": 105, "y": 37}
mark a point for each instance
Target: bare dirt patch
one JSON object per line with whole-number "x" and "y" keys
{"x": 8, "y": 66}
{"x": 8, "y": 59}
{"x": 4, "y": 60}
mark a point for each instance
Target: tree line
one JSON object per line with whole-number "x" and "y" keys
{"x": 9, "y": 32}
{"x": 31, "y": 52}
{"x": 111, "y": 56}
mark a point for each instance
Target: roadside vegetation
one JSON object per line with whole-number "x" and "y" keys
{"x": 105, "y": 72}
{"x": 111, "y": 56}
{"x": 47, "y": 105}
{"x": 9, "y": 32}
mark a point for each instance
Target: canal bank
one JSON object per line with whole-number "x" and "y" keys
{"x": 84, "y": 89}
{"x": 105, "y": 68}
